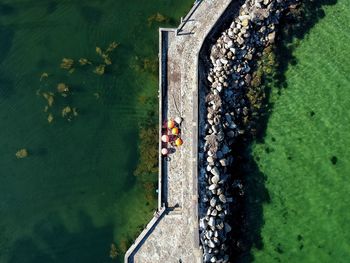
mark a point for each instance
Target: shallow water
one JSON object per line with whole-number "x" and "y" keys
{"x": 75, "y": 194}
{"x": 305, "y": 156}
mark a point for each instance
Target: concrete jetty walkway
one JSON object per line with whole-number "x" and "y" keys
{"x": 172, "y": 236}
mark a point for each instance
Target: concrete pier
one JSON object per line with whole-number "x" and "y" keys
{"x": 172, "y": 236}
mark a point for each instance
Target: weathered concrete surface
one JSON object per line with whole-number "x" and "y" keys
{"x": 176, "y": 237}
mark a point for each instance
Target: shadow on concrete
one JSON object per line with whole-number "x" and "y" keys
{"x": 164, "y": 112}
{"x": 153, "y": 224}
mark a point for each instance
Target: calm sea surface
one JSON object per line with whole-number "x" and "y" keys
{"x": 306, "y": 156}
{"x": 75, "y": 193}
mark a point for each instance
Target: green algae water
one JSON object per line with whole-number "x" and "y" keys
{"x": 75, "y": 193}
{"x": 305, "y": 156}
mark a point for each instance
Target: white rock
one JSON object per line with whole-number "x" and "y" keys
{"x": 203, "y": 224}
{"x": 222, "y": 198}
{"x": 215, "y": 179}
{"x": 211, "y": 221}
{"x": 224, "y": 61}
{"x": 223, "y": 162}
{"x": 215, "y": 171}
{"x": 212, "y": 245}
{"x": 213, "y": 186}
{"x": 213, "y": 202}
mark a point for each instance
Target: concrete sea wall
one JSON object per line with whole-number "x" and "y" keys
{"x": 174, "y": 236}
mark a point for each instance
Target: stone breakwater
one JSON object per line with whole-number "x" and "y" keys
{"x": 233, "y": 58}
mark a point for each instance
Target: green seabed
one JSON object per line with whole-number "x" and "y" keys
{"x": 305, "y": 156}
{"x": 75, "y": 193}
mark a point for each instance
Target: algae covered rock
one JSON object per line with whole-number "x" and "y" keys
{"x": 69, "y": 112}
{"x": 158, "y": 17}
{"x": 67, "y": 63}
{"x": 66, "y": 110}
{"x": 49, "y": 96}
{"x": 22, "y": 153}
{"x": 100, "y": 70}
{"x": 50, "y": 118}
{"x": 61, "y": 88}
{"x": 84, "y": 61}
{"x": 112, "y": 46}
{"x": 113, "y": 253}
{"x": 44, "y": 75}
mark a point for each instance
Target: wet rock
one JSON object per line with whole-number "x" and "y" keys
{"x": 223, "y": 162}
{"x": 215, "y": 179}
{"x": 271, "y": 37}
{"x": 240, "y": 40}
{"x": 213, "y": 202}
{"x": 228, "y": 228}
{"x": 211, "y": 222}
{"x": 206, "y": 257}
{"x": 209, "y": 168}
{"x": 222, "y": 198}
{"x": 219, "y": 191}
{"x": 218, "y": 207}
{"x": 215, "y": 171}
{"x": 231, "y": 134}
{"x": 203, "y": 224}
{"x": 225, "y": 149}
{"x": 210, "y": 159}
{"x": 212, "y": 245}
{"x": 213, "y": 186}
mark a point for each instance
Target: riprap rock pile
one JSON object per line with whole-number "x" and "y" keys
{"x": 232, "y": 58}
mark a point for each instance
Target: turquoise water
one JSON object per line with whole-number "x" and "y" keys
{"x": 305, "y": 157}
{"x": 75, "y": 193}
